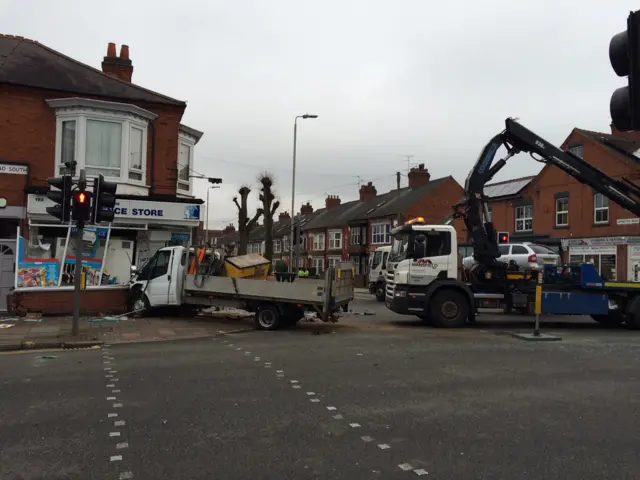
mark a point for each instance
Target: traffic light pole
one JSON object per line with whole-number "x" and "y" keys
{"x": 76, "y": 280}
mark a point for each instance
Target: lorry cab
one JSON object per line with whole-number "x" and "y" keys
{"x": 161, "y": 279}
{"x": 378, "y": 272}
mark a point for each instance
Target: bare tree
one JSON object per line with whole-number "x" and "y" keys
{"x": 269, "y": 207}
{"x": 229, "y": 229}
{"x": 244, "y": 224}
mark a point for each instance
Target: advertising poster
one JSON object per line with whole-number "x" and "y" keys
{"x": 35, "y": 272}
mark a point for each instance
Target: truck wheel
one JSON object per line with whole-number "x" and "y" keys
{"x": 448, "y": 309}
{"x": 611, "y": 320}
{"x": 380, "y": 292}
{"x": 139, "y": 303}
{"x": 268, "y": 317}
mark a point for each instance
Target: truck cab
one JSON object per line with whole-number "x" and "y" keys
{"x": 160, "y": 281}
{"x": 422, "y": 273}
{"x": 378, "y": 272}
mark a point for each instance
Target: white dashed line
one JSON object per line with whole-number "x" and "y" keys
{"x": 293, "y": 381}
{"x": 110, "y": 385}
{"x": 383, "y": 446}
{"x": 315, "y": 400}
{"x": 117, "y": 390}
{"x": 114, "y": 379}
{"x": 296, "y": 386}
{"x": 120, "y": 446}
{"x": 239, "y": 348}
{"x": 116, "y": 458}
{"x": 117, "y": 405}
{"x": 311, "y": 393}
{"x": 420, "y": 471}
{"x": 111, "y": 398}
{"x": 331, "y": 408}
{"x": 119, "y": 423}
{"x": 405, "y": 467}
{"x": 338, "y": 417}
{"x": 354, "y": 425}
{"x": 114, "y": 371}
{"x": 111, "y": 415}
{"x": 256, "y": 359}
{"x": 247, "y": 353}
{"x": 107, "y": 363}
{"x": 368, "y": 439}
{"x": 230, "y": 345}
{"x": 114, "y": 434}
{"x": 125, "y": 476}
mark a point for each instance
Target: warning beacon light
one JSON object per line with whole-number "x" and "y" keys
{"x": 418, "y": 220}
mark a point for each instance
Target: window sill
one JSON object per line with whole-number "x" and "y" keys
{"x": 523, "y": 231}
{"x": 602, "y": 224}
{"x": 561, "y": 227}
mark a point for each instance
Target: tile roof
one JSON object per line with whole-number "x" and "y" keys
{"x": 28, "y": 63}
{"x": 626, "y": 146}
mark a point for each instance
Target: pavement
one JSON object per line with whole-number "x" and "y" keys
{"x": 340, "y": 403}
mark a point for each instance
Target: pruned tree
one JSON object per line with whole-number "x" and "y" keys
{"x": 229, "y": 229}
{"x": 245, "y": 225}
{"x": 269, "y": 207}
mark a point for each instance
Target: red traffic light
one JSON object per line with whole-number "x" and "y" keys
{"x": 81, "y": 197}
{"x": 503, "y": 237}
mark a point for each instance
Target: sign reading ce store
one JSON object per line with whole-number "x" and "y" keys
{"x": 132, "y": 210}
{"x": 13, "y": 169}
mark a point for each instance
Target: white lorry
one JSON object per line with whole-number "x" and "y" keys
{"x": 164, "y": 281}
{"x": 378, "y": 272}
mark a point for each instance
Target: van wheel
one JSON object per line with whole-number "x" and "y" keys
{"x": 139, "y": 303}
{"x": 380, "y": 292}
{"x": 448, "y": 309}
{"x": 268, "y": 317}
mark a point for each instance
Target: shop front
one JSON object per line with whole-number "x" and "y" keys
{"x": 615, "y": 258}
{"x": 46, "y": 257}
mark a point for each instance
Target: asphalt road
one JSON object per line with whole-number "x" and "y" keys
{"x": 368, "y": 399}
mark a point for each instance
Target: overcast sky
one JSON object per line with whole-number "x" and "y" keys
{"x": 412, "y": 77}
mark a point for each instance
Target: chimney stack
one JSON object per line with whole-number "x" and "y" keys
{"x": 118, "y": 67}
{"x": 284, "y": 216}
{"x": 306, "y": 209}
{"x": 332, "y": 201}
{"x": 418, "y": 176}
{"x": 367, "y": 192}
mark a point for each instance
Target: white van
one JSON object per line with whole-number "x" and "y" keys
{"x": 378, "y": 272}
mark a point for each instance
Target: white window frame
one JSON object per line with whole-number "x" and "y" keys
{"x": 277, "y": 246}
{"x": 335, "y": 239}
{"x": 318, "y": 242}
{"x": 355, "y": 235}
{"x": 82, "y": 110}
{"x": 521, "y": 217}
{"x": 190, "y": 143}
{"x": 385, "y": 234}
{"x": 318, "y": 264}
{"x": 562, "y": 212}
{"x": 331, "y": 261}
{"x": 603, "y": 208}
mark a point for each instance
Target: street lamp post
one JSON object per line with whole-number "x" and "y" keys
{"x": 293, "y": 185}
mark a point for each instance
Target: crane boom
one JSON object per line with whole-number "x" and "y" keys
{"x": 516, "y": 139}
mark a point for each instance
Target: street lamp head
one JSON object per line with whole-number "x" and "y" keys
{"x": 307, "y": 115}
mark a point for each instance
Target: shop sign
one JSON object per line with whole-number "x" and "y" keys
{"x": 14, "y": 169}
{"x": 592, "y": 250}
{"x": 131, "y": 209}
{"x": 628, "y": 221}
{"x": 575, "y": 242}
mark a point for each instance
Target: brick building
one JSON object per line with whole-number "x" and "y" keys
{"x": 555, "y": 209}
{"x": 54, "y": 109}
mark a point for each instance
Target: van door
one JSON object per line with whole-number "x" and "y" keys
{"x": 159, "y": 280}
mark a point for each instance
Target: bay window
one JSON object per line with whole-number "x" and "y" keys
{"x": 103, "y": 149}
{"x": 184, "y": 164}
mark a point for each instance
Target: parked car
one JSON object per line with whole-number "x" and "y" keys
{"x": 528, "y": 256}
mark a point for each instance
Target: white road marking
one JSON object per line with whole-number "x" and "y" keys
{"x": 117, "y": 390}
{"x": 367, "y": 438}
{"x": 116, "y": 458}
{"x": 108, "y": 375}
{"x": 311, "y": 393}
{"x": 114, "y": 379}
{"x": 354, "y": 425}
{"x": 294, "y": 381}
{"x": 279, "y": 371}
{"x": 405, "y": 467}
{"x": 256, "y": 359}
{"x": 106, "y": 363}
{"x": 114, "y": 434}
{"x": 120, "y": 446}
{"x": 230, "y": 345}
{"x": 125, "y": 476}
{"x": 383, "y": 446}
{"x": 296, "y": 386}
{"x": 315, "y": 400}
{"x": 114, "y": 371}
{"x": 420, "y": 471}
{"x": 110, "y": 385}
{"x": 111, "y": 415}
{"x": 267, "y": 363}
{"x": 119, "y": 423}
{"x": 111, "y": 398}
{"x": 331, "y": 408}
{"x": 239, "y": 348}
{"x": 338, "y": 417}
{"x": 117, "y": 405}
{"x": 107, "y": 368}
{"x": 247, "y": 353}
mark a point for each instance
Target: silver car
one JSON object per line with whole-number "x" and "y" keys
{"x": 528, "y": 256}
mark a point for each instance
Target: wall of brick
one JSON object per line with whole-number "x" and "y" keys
{"x": 29, "y": 133}
{"x": 60, "y": 302}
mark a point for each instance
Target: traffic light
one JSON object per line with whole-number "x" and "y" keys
{"x": 503, "y": 237}
{"x": 104, "y": 199}
{"x": 62, "y": 198}
{"x": 81, "y": 207}
{"x": 297, "y": 236}
{"x": 215, "y": 180}
{"x": 624, "y": 55}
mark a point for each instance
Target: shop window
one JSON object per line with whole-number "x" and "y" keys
{"x": 524, "y": 218}
{"x": 605, "y": 264}
{"x": 600, "y": 208}
{"x": 562, "y": 212}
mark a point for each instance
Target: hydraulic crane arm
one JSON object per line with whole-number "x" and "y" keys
{"x": 516, "y": 139}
